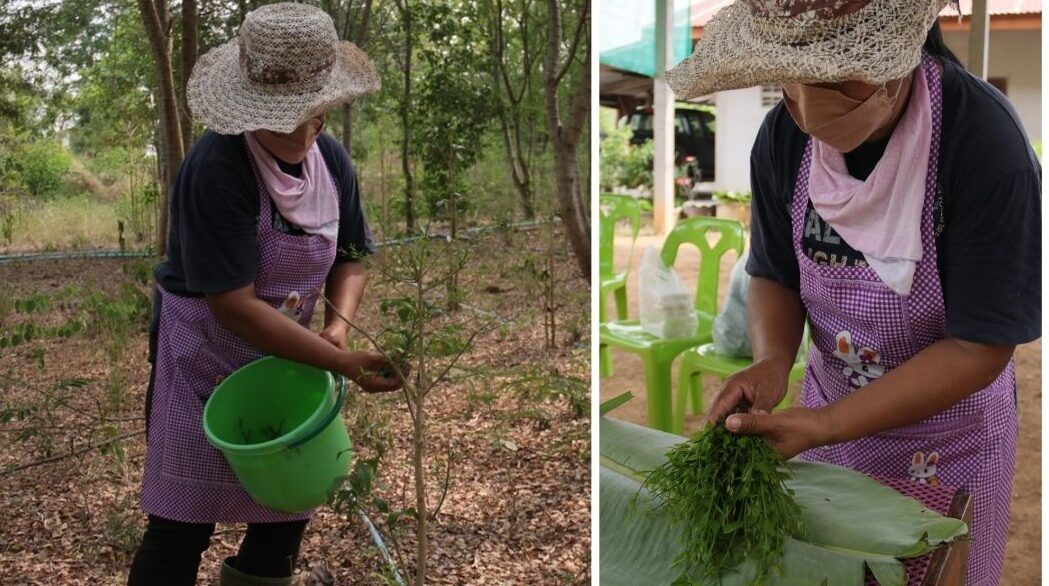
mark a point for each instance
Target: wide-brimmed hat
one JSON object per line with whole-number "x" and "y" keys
{"x": 285, "y": 66}
{"x": 771, "y": 42}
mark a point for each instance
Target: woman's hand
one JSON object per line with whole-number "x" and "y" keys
{"x": 336, "y": 334}
{"x": 759, "y": 387}
{"x": 789, "y": 432}
{"x": 372, "y": 372}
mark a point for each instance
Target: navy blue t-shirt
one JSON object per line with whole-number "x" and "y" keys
{"x": 215, "y": 209}
{"x": 987, "y": 212}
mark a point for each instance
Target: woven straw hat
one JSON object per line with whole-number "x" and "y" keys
{"x": 772, "y": 42}
{"x": 286, "y": 66}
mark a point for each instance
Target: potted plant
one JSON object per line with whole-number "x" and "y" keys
{"x": 734, "y": 205}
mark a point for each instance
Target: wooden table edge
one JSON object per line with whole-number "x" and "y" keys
{"x": 949, "y": 562}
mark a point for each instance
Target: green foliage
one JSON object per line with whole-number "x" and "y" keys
{"x": 732, "y": 196}
{"x": 25, "y": 331}
{"x": 456, "y": 98}
{"x": 18, "y": 101}
{"x": 9, "y": 213}
{"x": 119, "y": 314}
{"x": 615, "y": 149}
{"x": 41, "y": 165}
{"x": 1037, "y": 146}
{"x": 41, "y": 416}
{"x": 34, "y": 303}
{"x": 19, "y": 334}
{"x": 623, "y": 164}
{"x": 727, "y": 493}
{"x": 123, "y": 527}
{"x": 538, "y": 384}
{"x": 114, "y": 107}
{"x": 615, "y": 402}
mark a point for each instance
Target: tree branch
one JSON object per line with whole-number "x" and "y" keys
{"x": 52, "y": 459}
{"x": 584, "y": 19}
{"x": 396, "y": 367}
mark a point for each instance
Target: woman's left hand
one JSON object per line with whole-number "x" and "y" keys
{"x": 336, "y": 335}
{"x": 789, "y": 432}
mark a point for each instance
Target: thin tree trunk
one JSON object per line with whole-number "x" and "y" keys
{"x": 519, "y": 171}
{"x": 566, "y": 136}
{"x": 406, "y": 128}
{"x": 347, "y": 127}
{"x": 418, "y": 459}
{"x": 422, "y": 386}
{"x": 510, "y": 107}
{"x": 190, "y": 26}
{"x": 382, "y": 184}
{"x": 154, "y": 16}
{"x": 453, "y": 279}
{"x": 355, "y": 29}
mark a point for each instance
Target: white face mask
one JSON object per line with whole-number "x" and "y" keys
{"x": 837, "y": 119}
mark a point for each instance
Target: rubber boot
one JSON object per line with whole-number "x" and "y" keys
{"x": 231, "y": 576}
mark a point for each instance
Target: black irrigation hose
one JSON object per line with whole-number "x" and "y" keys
{"x": 69, "y": 254}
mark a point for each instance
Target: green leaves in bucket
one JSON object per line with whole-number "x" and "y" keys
{"x": 728, "y": 496}
{"x": 266, "y": 432}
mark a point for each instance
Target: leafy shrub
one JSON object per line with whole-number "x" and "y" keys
{"x": 623, "y": 164}
{"x": 41, "y": 165}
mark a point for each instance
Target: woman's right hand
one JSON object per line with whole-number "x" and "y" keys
{"x": 372, "y": 371}
{"x": 759, "y": 387}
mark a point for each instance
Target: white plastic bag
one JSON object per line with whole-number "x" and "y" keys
{"x": 664, "y": 304}
{"x": 731, "y": 332}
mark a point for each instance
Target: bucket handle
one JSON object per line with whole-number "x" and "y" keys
{"x": 340, "y": 398}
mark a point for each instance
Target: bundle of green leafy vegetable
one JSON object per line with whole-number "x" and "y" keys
{"x": 727, "y": 495}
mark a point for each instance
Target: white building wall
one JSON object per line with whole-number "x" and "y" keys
{"x": 739, "y": 116}
{"x": 1015, "y": 55}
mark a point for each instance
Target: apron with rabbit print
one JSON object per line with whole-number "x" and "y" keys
{"x": 862, "y": 329}
{"x": 186, "y": 478}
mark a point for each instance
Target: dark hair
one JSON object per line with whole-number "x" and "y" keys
{"x": 935, "y": 46}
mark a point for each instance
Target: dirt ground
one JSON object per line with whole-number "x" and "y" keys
{"x": 517, "y": 509}
{"x": 1023, "y": 560}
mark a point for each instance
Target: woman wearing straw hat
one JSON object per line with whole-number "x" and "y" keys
{"x": 896, "y": 204}
{"x": 264, "y": 211}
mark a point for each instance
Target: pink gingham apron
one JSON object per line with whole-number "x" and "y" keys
{"x": 185, "y": 478}
{"x": 862, "y": 329}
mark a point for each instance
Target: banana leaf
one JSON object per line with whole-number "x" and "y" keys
{"x": 853, "y": 523}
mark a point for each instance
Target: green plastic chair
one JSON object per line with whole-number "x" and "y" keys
{"x": 619, "y": 207}
{"x": 658, "y": 354}
{"x": 614, "y": 208}
{"x": 695, "y": 362}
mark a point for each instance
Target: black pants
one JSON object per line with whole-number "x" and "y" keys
{"x": 170, "y": 551}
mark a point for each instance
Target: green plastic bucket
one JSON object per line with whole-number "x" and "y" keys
{"x": 278, "y": 424}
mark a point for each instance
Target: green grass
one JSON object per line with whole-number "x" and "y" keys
{"x": 72, "y": 223}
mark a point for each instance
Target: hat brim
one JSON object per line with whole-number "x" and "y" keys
{"x": 224, "y": 100}
{"x": 878, "y": 43}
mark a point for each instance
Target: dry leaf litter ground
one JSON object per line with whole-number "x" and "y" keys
{"x": 517, "y": 509}
{"x": 1023, "y": 550}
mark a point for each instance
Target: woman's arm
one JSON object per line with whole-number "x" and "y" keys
{"x": 265, "y": 328}
{"x": 344, "y": 289}
{"x": 777, "y": 318}
{"x": 932, "y": 381}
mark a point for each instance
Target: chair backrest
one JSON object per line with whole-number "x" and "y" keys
{"x": 694, "y": 231}
{"x": 619, "y": 207}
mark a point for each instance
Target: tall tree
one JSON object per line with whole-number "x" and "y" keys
{"x": 514, "y": 62}
{"x": 405, "y": 10}
{"x": 190, "y": 26}
{"x": 352, "y": 22}
{"x": 455, "y": 85}
{"x": 566, "y": 130}
{"x": 155, "y": 17}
